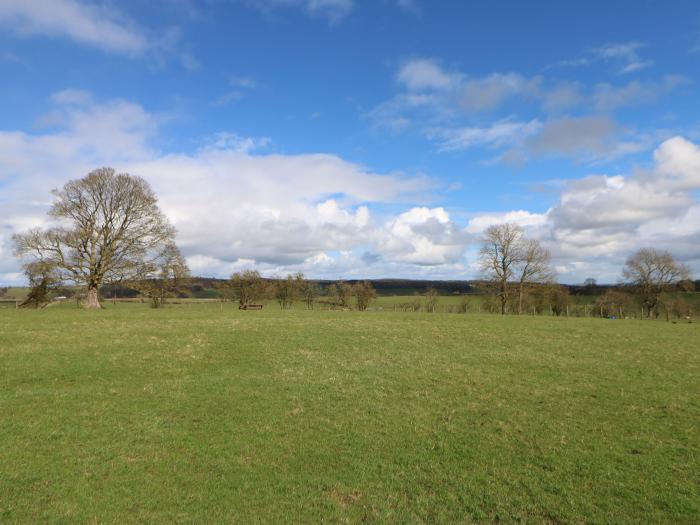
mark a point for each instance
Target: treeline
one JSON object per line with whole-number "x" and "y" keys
{"x": 249, "y": 287}
{"x": 211, "y": 288}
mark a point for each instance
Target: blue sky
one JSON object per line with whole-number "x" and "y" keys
{"x": 350, "y": 138}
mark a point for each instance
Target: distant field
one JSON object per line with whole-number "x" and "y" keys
{"x": 201, "y": 413}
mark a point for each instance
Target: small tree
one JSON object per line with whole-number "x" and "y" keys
{"x": 364, "y": 293}
{"x": 167, "y": 277}
{"x": 287, "y": 291}
{"x": 531, "y": 266}
{"x": 431, "y": 300}
{"x": 246, "y": 286}
{"x": 309, "y": 292}
{"x": 42, "y": 279}
{"x": 651, "y": 272}
{"x": 680, "y": 308}
{"x": 463, "y": 306}
{"x": 590, "y": 282}
{"x": 559, "y": 299}
{"x": 613, "y": 303}
{"x": 341, "y": 293}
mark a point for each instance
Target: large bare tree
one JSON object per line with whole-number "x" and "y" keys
{"x": 506, "y": 257}
{"x": 498, "y": 257}
{"x": 651, "y": 272}
{"x": 108, "y": 229}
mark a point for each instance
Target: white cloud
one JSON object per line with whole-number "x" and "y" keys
{"x": 459, "y": 112}
{"x": 423, "y": 236}
{"x": 624, "y": 56}
{"x": 501, "y": 133}
{"x": 424, "y": 73}
{"x": 84, "y": 23}
{"x": 522, "y": 218}
{"x": 600, "y": 219}
{"x": 228, "y": 203}
{"x": 235, "y": 207}
{"x": 609, "y": 216}
{"x": 88, "y": 23}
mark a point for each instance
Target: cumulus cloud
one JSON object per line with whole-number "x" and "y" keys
{"x": 230, "y": 203}
{"x": 523, "y": 218}
{"x": 236, "y": 207}
{"x": 423, "y": 236}
{"x": 608, "y": 216}
{"x": 599, "y": 220}
{"x": 625, "y": 202}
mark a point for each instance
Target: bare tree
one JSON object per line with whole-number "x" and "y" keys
{"x": 464, "y": 304}
{"x": 613, "y": 303}
{"x": 309, "y": 292}
{"x": 431, "y": 300}
{"x": 651, "y": 272}
{"x": 166, "y": 278}
{"x": 506, "y": 257}
{"x": 364, "y": 293}
{"x": 109, "y": 229}
{"x": 246, "y": 286}
{"x": 559, "y": 299}
{"x": 341, "y": 293}
{"x": 532, "y": 265}
{"x": 498, "y": 257}
{"x": 287, "y": 290}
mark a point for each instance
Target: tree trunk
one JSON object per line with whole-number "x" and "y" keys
{"x": 92, "y": 299}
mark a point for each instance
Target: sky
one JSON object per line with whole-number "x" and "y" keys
{"x": 363, "y": 138}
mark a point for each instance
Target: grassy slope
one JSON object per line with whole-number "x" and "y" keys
{"x": 196, "y": 414}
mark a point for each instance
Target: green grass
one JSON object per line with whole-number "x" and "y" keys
{"x": 197, "y": 414}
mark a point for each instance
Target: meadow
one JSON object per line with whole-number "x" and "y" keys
{"x": 201, "y": 413}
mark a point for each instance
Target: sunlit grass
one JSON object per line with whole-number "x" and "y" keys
{"x": 202, "y": 413}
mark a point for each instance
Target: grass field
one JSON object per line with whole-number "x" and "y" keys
{"x": 197, "y": 414}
